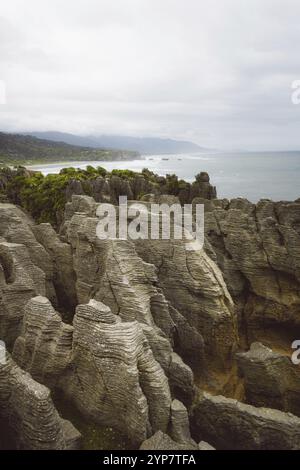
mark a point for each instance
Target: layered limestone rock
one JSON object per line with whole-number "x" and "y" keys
{"x": 44, "y": 346}
{"x": 103, "y": 365}
{"x": 130, "y": 387}
{"x": 26, "y": 270}
{"x": 111, "y": 271}
{"x": 110, "y": 188}
{"x": 17, "y": 227}
{"x": 64, "y": 277}
{"x": 20, "y": 280}
{"x": 229, "y": 424}
{"x": 270, "y": 378}
{"x": 137, "y": 279}
{"x": 180, "y": 425}
{"x": 29, "y": 412}
{"x": 200, "y": 296}
{"x": 205, "y": 446}
{"x": 202, "y": 187}
{"x": 257, "y": 247}
{"x": 162, "y": 441}
{"x": 146, "y": 307}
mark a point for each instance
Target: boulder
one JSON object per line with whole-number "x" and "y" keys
{"x": 229, "y": 424}
{"x": 270, "y": 378}
{"x": 161, "y": 441}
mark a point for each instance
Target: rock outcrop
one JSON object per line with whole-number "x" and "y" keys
{"x": 257, "y": 247}
{"x": 136, "y": 186}
{"x": 20, "y": 280}
{"x": 180, "y": 425}
{"x": 29, "y": 412}
{"x": 137, "y": 279}
{"x": 270, "y": 379}
{"x": 162, "y": 441}
{"x": 60, "y": 253}
{"x": 103, "y": 365}
{"x": 26, "y": 270}
{"x": 129, "y": 332}
{"x": 229, "y": 424}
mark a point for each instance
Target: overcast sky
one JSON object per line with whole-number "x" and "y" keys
{"x": 217, "y": 72}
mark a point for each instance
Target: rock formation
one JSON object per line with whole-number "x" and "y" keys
{"x": 130, "y": 273}
{"x": 229, "y": 424}
{"x": 29, "y": 412}
{"x": 270, "y": 379}
{"x": 257, "y": 247}
{"x": 103, "y": 365}
{"x": 135, "y": 333}
{"x": 161, "y": 441}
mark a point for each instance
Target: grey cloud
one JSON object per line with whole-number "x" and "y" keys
{"x": 216, "y": 72}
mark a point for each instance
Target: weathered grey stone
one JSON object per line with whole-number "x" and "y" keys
{"x": 111, "y": 271}
{"x": 146, "y": 305}
{"x": 229, "y": 424}
{"x": 17, "y": 227}
{"x": 64, "y": 277}
{"x": 270, "y": 378}
{"x": 181, "y": 379}
{"x": 161, "y": 441}
{"x": 28, "y": 408}
{"x": 205, "y": 446}
{"x": 44, "y": 347}
{"x": 180, "y": 426}
{"x": 20, "y": 280}
{"x": 258, "y": 250}
{"x": 200, "y": 296}
{"x": 103, "y": 365}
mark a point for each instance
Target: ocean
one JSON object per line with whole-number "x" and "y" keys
{"x": 252, "y": 175}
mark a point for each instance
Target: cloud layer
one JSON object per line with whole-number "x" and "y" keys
{"x": 215, "y": 72}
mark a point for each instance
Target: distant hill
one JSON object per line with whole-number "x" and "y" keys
{"x": 144, "y": 145}
{"x": 27, "y": 149}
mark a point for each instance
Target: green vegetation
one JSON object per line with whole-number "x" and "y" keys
{"x": 23, "y": 149}
{"x": 45, "y": 196}
{"x": 124, "y": 174}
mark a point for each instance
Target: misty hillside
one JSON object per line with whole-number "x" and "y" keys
{"x": 15, "y": 148}
{"x": 144, "y": 145}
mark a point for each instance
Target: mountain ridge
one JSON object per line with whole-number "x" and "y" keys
{"x": 145, "y": 145}
{"x": 26, "y": 149}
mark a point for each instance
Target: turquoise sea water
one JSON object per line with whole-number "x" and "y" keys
{"x": 253, "y": 175}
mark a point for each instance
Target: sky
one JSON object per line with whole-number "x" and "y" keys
{"x": 216, "y": 72}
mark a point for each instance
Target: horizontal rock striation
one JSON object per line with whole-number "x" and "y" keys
{"x": 229, "y": 424}
{"x": 137, "y": 279}
{"x": 44, "y": 346}
{"x": 270, "y": 379}
{"x": 29, "y": 411}
{"x": 20, "y": 280}
{"x": 103, "y": 365}
{"x": 129, "y": 331}
{"x": 257, "y": 247}
{"x": 112, "y": 272}
{"x": 60, "y": 253}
